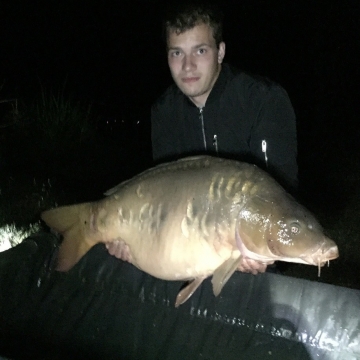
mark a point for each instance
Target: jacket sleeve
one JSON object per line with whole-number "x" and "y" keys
{"x": 159, "y": 133}
{"x": 274, "y": 137}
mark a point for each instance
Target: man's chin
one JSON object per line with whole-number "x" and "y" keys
{"x": 191, "y": 92}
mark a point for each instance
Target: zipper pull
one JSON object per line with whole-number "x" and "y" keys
{"x": 263, "y": 149}
{"x": 215, "y": 144}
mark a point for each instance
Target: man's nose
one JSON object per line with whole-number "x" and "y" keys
{"x": 189, "y": 63}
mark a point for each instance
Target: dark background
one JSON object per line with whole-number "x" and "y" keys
{"x": 112, "y": 54}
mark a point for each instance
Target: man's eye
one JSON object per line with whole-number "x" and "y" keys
{"x": 201, "y": 51}
{"x": 175, "y": 53}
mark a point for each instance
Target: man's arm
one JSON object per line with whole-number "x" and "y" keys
{"x": 274, "y": 137}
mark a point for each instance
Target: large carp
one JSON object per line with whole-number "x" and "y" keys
{"x": 196, "y": 217}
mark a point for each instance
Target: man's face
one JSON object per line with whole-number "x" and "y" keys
{"x": 195, "y": 61}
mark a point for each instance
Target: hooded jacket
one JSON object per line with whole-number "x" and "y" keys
{"x": 246, "y": 118}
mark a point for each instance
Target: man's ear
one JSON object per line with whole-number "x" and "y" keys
{"x": 221, "y": 52}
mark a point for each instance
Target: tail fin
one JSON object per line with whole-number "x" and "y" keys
{"x": 73, "y": 223}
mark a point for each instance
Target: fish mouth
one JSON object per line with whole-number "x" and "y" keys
{"x": 322, "y": 256}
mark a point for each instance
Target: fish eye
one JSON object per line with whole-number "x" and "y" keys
{"x": 294, "y": 228}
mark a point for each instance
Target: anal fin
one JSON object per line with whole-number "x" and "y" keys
{"x": 223, "y": 273}
{"x": 188, "y": 290}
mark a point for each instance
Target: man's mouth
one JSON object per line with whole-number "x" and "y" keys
{"x": 188, "y": 80}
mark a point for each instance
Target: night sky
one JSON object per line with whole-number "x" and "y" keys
{"x": 114, "y": 56}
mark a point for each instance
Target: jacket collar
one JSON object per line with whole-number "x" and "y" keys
{"x": 219, "y": 85}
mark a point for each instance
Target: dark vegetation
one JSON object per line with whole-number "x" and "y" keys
{"x": 54, "y": 150}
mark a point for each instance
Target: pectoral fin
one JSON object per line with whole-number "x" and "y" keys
{"x": 188, "y": 290}
{"x": 223, "y": 273}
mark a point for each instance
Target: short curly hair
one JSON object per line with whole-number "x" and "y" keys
{"x": 185, "y": 16}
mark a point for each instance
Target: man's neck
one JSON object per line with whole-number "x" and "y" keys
{"x": 200, "y": 100}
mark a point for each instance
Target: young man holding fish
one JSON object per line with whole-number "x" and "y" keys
{"x": 204, "y": 216}
{"x": 216, "y": 109}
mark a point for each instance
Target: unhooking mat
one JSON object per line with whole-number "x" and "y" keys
{"x": 104, "y": 308}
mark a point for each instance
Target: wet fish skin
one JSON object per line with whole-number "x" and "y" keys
{"x": 193, "y": 218}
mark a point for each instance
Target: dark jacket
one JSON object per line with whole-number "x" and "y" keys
{"x": 246, "y": 118}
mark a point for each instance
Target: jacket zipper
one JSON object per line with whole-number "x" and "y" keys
{"x": 263, "y": 148}
{"x": 215, "y": 143}
{"x": 202, "y": 126}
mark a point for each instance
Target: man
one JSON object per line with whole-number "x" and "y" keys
{"x": 216, "y": 109}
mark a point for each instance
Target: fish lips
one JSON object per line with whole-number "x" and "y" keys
{"x": 327, "y": 251}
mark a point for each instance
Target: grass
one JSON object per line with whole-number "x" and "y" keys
{"x": 22, "y": 199}
{"x": 12, "y": 235}
{"x": 32, "y": 139}
{"x": 52, "y": 155}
